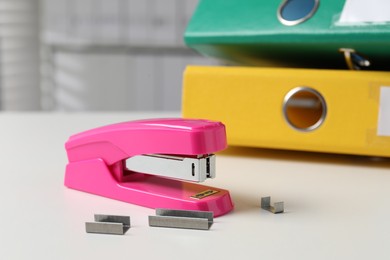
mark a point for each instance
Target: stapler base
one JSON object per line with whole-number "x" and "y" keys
{"x": 93, "y": 176}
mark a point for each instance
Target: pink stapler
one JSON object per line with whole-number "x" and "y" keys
{"x": 152, "y": 163}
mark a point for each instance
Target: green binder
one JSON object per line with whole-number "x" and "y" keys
{"x": 250, "y": 32}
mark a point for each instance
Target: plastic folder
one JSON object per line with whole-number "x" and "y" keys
{"x": 250, "y": 32}
{"x": 334, "y": 111}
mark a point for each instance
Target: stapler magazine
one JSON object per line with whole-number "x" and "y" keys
{"x": 153, "y": 163}
{"x": 332, "y": 111}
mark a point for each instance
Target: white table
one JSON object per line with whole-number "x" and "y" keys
{"x": 337, "y": 207}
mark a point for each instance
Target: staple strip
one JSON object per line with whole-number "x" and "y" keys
{"x": 189, "y": 219}
{"x": 108, "y": 224}
{"x": 179, "y": 222}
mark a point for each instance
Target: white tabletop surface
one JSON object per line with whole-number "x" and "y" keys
{"x": 337, "y": 206}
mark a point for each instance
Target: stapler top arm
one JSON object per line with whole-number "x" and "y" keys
{"x": 120, "y": 141}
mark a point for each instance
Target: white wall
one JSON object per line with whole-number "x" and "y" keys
{"x": 115, "y": 55}
{"x": 119, "y": 81}
{"x": 19, "y": 55}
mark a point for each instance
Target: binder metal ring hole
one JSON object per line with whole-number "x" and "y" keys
{"x": 304, "y": 109}
{"x": 293, "y": 12}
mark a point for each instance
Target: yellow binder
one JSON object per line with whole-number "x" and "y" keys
{"x": 301, "y": 109}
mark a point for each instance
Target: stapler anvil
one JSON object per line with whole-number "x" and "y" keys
{"x": 144, "y": 162}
